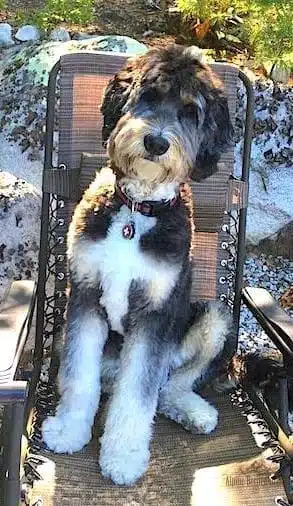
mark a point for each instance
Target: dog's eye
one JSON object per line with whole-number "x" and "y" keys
{"x": 189, "y": 111}
{"x": 150, "y": 95}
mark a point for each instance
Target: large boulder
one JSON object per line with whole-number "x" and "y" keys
{"x": 20, "y": 207}
{"x": 271, "y": 182}
{"x": 278, "y": 244}
{"x": 23, "y": 87}
{"x": 270, "y": 203}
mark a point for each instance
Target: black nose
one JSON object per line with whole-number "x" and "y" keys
{"x": 155, "y": 144}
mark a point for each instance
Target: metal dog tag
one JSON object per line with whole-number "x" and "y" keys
{"x": 128, "y": 231}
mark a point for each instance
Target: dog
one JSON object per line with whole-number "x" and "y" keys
{"x": 130, "y": 327}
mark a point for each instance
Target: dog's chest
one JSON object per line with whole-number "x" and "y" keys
{"x": 116, "y": 261}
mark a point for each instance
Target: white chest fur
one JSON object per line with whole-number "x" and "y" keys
{"x": 115, "y": 261}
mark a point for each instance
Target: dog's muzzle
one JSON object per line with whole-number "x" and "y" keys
{"x": 156, "y": 144}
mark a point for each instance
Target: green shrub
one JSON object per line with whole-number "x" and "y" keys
{"x": 271, "y": 31}
{"x": 266, "y": 26}
{"x": 2, "y": 4}
{"x": 222, "y": 18}
{"x": 55, "y": 12}
{"x": 213, "y": 10}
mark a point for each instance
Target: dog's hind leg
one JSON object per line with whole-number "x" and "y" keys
{"x": 111, "y": 362}
{"x": 79, "y": 376}
{"x": 202, "y": 344}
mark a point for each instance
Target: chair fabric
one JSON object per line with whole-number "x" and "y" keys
{"x": 177, "y": 456}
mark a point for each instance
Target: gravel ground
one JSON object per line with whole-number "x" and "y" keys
{"x": 276, "y": 275}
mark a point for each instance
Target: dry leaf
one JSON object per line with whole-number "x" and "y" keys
{"x": 201, "y": 29}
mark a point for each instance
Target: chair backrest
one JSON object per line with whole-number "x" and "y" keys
{"x": 218, "y": 199}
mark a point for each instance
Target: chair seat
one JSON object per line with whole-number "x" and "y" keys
{"x": 176, "y": 456}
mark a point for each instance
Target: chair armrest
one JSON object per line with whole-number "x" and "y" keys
{"x": 273, "y": 319}
{"x": 15, "y": 318}
{"x": 16, "y": 391}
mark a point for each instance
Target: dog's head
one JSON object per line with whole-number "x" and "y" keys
{"x": 166, "y": 117}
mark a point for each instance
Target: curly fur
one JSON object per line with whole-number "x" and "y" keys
{"x": 171, "y": 92}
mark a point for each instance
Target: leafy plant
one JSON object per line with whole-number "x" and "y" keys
{"x": 224, "y": 18}
{"x": 2, "y": 4}
{"x": 271, "y": 31}
{"x": 55, "y": 12}
{"x": 213, "y": 10}
{"x": 265, "y": 26}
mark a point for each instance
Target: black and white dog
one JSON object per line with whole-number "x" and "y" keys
{"x": 130, "y": 325}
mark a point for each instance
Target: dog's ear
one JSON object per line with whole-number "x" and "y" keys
{"x": 218, "y": 135}
{"x": 115, "y": 98}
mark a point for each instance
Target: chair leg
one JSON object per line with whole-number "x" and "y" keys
{"x": 3, "y": 437}
{"x": 283, "y": 413}
{"x": 286, "y": 477}
{"x": 284, "y": 404}
{"x": 12, "y": 455}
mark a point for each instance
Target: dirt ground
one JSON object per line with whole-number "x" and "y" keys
{"x": 14, "y": 5}
{"x": 133, "y": 18}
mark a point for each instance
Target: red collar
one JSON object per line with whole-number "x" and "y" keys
{"x": 146, "y": 207}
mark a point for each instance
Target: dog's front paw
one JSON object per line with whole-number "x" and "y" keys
{"x": 124, "y": 465}
{"x": 66, "y": 433}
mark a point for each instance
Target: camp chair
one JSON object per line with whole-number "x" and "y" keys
{"x": 217, "y": 461}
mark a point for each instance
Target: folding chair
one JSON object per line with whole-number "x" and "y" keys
{"x": 74, "y": 96}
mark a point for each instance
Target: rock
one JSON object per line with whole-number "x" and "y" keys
{"x": 152, "y": 4}
{"x": 5, "y": 35}
{"x": 278, "y": 244}
{"x": 250, "y": 74}
{"x": 174, "y": 10}
{"x": 280, "y": 74}
{"x": 60, "y": 34}
{"x": 27, "y": 33}
{"x": 273, "y": 119}
{"x": 20, "y": 207}
{"x": 286, "y": 300}
{"x": 83, "y": 36}
{"x": 270, "y": 205}
{"x": 148, "y": 33}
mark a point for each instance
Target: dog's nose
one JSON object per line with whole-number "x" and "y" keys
{"x": 155, "y": 144}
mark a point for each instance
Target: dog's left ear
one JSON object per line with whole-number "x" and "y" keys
{"x": 115, "y": 98}
{"x": 218, "y": 135}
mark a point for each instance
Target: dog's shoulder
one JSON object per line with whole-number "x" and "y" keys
{"x": 93, "y": 213}
{"x": 100, "y": 191}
